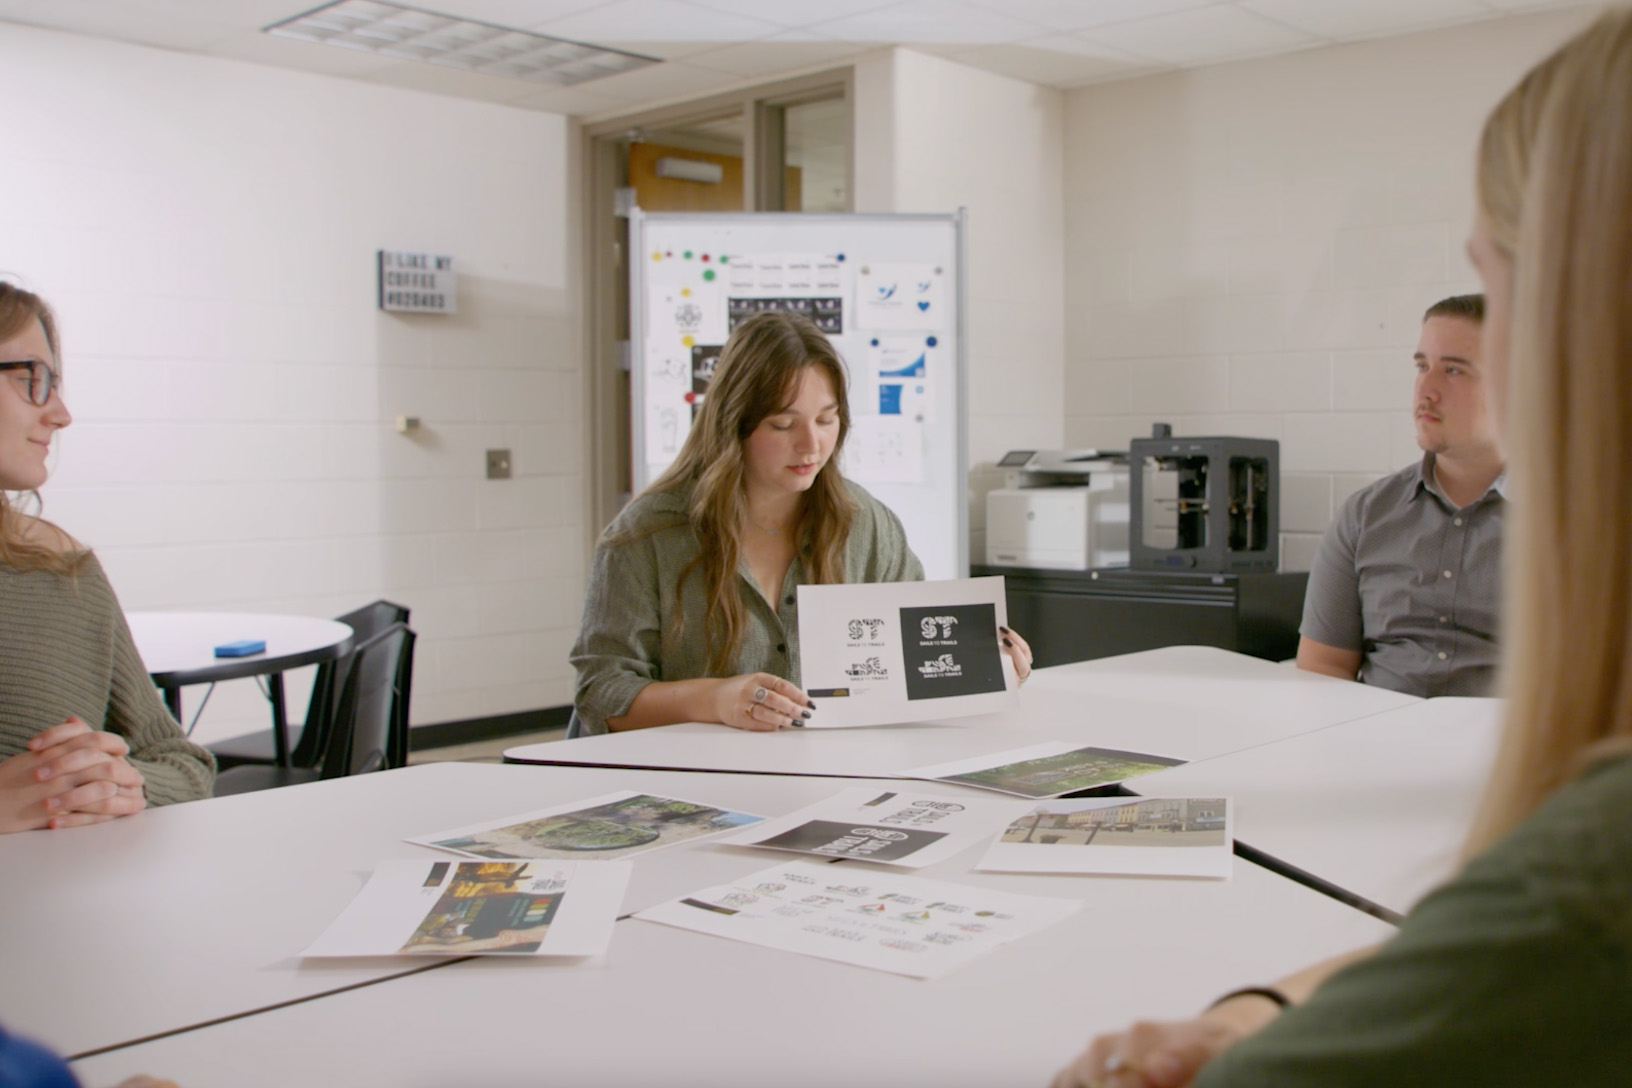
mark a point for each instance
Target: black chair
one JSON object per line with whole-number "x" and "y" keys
{"x": 363, "y": 735}
{"x": 309, "y": 740}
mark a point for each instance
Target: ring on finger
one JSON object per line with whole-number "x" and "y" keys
{"x": 748, "y": 711}
{"x": 759, "y": 695}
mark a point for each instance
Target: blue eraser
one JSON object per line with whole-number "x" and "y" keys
{"x": 241, "y": 648}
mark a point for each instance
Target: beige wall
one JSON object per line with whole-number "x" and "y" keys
{"x": 207, "y": 229}
{"x": 1249, "y": 248}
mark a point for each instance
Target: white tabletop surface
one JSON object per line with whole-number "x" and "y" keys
{"x": 1188, "y": 702}
{"x": 183, "y": 914}
{"x": 186, "y": 641}
{"x": 1379, "y": 806}
{"x": 671, "y": 1007}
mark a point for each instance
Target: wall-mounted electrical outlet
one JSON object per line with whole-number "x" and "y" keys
{"x": 498, "y": 464}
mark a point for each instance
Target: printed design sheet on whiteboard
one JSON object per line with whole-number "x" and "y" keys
{"x": 901, "y": 296}
{"x": 905, "y": 925}
{"x": 887, "y": 826}
{"x": 879, "y": 653}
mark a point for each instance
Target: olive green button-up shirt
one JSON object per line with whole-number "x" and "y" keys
{"x": 628, "y": 638}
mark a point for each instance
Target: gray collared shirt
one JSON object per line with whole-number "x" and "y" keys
{"x": 628, "y": 639}
{"x": 1413, "y": 583}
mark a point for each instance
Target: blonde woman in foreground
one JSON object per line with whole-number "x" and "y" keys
{"x": 1518, "y": 971}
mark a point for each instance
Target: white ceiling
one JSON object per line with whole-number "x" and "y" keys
{"x": 712, "y": 45}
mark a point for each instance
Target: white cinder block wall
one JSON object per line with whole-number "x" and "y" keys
{"x": 933, "y": 136}
{"x": 1249, "y": 248}
{"x": 207, "y": 230}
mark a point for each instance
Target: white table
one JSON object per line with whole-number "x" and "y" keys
{"x": 1189, "y": 702}
{"x": 1379, "y": 807}
{"x": 178, "y": 650}
{"x": 188, "y": 913}
{"x": 671, "y": 1007}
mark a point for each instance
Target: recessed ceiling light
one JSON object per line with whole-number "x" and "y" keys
{"x": 392, "y": 30}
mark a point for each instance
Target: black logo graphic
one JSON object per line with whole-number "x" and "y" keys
{"x": 951, "y": 651}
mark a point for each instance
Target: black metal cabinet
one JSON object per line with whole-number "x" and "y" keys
{"x": 1080, "y": 615}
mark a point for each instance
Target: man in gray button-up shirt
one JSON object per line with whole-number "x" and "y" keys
{"x": 1405, "y": 586}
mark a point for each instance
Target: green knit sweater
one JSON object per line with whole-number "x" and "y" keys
{"x": 65, "y": 651}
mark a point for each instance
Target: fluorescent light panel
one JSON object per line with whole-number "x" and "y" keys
{"x": 392, "y": 30}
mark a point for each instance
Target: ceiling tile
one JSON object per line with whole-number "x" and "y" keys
{"x": 777, "y": 54}
{"x": 440, "y": 79}
{"x": 1042, "y": 61}
{"x": 794, "y": 13}
{"x": 1539, "y": 5}
{"x": 143, "y": 23}
{"x": 515, "y": 14}
{"x": 663, "y": 82}
{"x": 656, "y": 21}
{"x": 1201, "y": 36}
{"x": 1338, "y": 19}
{"x": 919, "y": 22}
{"x": 1080, "y": 14}
{"x": 261, "y": 48}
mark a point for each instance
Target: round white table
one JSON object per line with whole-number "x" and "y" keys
{"x": 178, "y": 649}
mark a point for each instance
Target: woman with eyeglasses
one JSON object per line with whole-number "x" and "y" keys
{"x": 690, "y": 615}
{"x": 1519, "y": 969}
{"x": 84, "y": 736}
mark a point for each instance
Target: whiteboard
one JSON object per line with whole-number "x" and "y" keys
{"x": 887, "y": 290}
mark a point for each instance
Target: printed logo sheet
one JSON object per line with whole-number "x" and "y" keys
{"x": 1119, "y": 836}
{"x": 1051, "y": 769}
{"x": 879, "y": 653}
{"x": 616, "y": 825}
{"x": 480, "y": 908}
{"x": 902, "y": 924}
{"x": 906, "y": 829}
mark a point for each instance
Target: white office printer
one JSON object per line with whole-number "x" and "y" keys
{"x": 1059, "y": 510}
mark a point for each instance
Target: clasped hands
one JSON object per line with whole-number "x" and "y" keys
{"x": 69, "y": 775}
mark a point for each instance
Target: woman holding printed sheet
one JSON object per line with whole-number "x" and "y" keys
{"x": 84, "y": 737}
{"x": 691, "y": 611}
{"x": 1519, "y": 970}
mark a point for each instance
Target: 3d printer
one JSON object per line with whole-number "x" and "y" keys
{"x": 1204, "y": 504}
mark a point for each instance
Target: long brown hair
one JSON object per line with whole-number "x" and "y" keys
{"x": 1555, "y": 195}
{"x": 757, "y": 376}
{"x": 20, "y": 548}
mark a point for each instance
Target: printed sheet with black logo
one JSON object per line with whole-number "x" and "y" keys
{"x": 881, "y": 653}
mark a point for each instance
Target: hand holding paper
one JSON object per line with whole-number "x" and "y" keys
{"x": 904, "y": 651}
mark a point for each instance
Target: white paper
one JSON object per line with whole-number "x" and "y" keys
{"x": 1119, "y": 836}
{"x": 479, "y": 908}
{"x": 901, "y": 296}
{"x": 884, "y": 450}
{"x": 614, "y": 825}
{"x": 684, "y": 314}
{"x": 886, "y": 826}
{"x": 902, "y": 924}
{"x": 1049, "y": 769}
{"x": 900, "y": 376}
{"x": 876, "y": 653}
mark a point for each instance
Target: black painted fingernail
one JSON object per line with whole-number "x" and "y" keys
{"x": 796, "y": 725}
{"x": 810, "y": 704}
{"x": 806, "y": 713}
{"x": 1005, "y": 630}
{"x": 1009, "y": 644}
